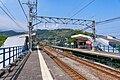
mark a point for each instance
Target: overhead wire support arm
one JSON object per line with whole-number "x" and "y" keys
{"x": 37, "y": 22}
{"x": 61, "y": 21}
{"x": 87, "y": 27}
{"x": 54, "y": 20}
{"x": 86, "y": 23}
{"x": 43, "y": 19}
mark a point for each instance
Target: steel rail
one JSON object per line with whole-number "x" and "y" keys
{"x": 106, "y": 70}
{"x": 70, "y": 71}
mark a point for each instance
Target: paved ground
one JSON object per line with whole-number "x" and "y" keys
{"x": 31, "y": 70}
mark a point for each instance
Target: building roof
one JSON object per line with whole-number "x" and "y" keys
{"x": 109, "y": 40}
{"x": 114, "y": 40}
{"x": 18, "y": 40}
{"x": 82, "y": 37}
{"x": 14, "y": 41}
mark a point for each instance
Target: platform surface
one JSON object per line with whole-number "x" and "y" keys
{"x": 31, "y": 69}
{"x": 40, "y": 66}
{"x": 99, "y": 53}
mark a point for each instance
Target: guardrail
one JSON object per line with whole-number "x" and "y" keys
{"x": 107, "y": 48}
{"x": 9, "y": 54}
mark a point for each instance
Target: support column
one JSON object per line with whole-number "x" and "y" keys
{"x": 94, "y": 36}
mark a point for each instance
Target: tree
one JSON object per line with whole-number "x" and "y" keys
{"x": 2, "y": 39}
{"x": 118, "y": 47}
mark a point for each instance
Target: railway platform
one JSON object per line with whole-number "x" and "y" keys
{"x": 39, "y": 66}
{"x": 31, "y": 69}
{"x": 53, "y": 64}
{"x": 95, "y": 53}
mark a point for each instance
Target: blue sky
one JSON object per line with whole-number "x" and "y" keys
{"x": 99, "y": 10}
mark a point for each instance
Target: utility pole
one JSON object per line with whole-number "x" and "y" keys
{"x": 94, "y": 31}
{"x": 94, "y": 36}
{"x": 31, "y": 6}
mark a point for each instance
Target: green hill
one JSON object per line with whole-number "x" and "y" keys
{"x": 59, "y": 36}
{"x": 5, "y": 34}
{"x": 10, "y": 33}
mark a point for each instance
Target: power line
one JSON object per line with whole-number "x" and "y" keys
{"x": 7, "y": 9}
{"x": 75, "y": 7}
{"x": 83, "y": 8}
{"x": 23, "y": 9}
{"x": 10, "y": 14}
{"x": 11, "y": 18}
{"x": 108, "y": 21}
{"x": 36, "y": 13}
{"x": 36, "y": 6}
{"x": 119, "y": 0}
{"x": 113, "y": 32}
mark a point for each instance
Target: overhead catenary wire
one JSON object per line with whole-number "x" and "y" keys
{"x": 82, "y": 8}
{"x": 75, "y": 7}
{"x": 113, "y": 32}
{"x": 10, "y": 14}
{"x": 7, "y": 9}
{"x": 23, "y": 9}
{"x": 36, "y": 6}
{"x": 11, "y": 18}
{"x": 108, "y": 21}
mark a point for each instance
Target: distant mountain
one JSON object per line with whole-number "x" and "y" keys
{"x": 10, "y": 33}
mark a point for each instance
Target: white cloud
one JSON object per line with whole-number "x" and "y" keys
{"x": 52, "y": 26}
{"x": 47, "y": 26}
{"x": 7, "y": 24}
{"x": 58, "y": 26}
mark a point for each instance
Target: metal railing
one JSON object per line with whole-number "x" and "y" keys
{"x": 107, "y": 48}
{"x": 9, "y": 54}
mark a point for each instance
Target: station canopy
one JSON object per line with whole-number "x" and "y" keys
{"x": 82, "y": 37}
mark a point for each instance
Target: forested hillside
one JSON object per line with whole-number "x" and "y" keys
{"x": 58, "y": 36}
{"x": 5, "y": 34}
{"x": 10, "y": 33}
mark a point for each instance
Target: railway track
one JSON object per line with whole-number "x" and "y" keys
{"x": 108, "y": 71}
{"x": 70, "y": 71}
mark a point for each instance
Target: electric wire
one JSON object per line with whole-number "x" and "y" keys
{"x": 11, "y": 18}
{"x": 36, "y": 9}
{"x": 113, "y": 32}
{"x": 82, "y": 8}
{"x": 36, "y": 13}
{"x": 108, "y": 21}
{"x": 10, "y": 14}
{"x": 22, "y": 9}
{"x": 75, "y": 7}
{"x": 36, "y": 6}
{"x": 7, "y": 9}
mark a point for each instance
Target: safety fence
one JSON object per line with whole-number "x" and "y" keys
{"x": 108, "y": 48}
{"x": 9, "y": 54}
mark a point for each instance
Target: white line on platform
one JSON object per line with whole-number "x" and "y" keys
{"x": 44, "y": 69}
